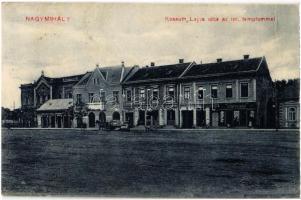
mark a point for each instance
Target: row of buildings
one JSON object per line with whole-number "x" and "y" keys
{"x": 236, "y": 93}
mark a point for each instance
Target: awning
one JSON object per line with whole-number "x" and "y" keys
{"x": 56, "y": 104}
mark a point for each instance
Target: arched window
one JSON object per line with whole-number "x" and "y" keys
{"x": 292, "y": 114}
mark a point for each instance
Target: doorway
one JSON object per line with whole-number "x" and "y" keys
{"x": 214, "y": 119}
{"x": 187, "y": 118}
{"x": 129, "y": 117}
{"x": 91, "y": 119}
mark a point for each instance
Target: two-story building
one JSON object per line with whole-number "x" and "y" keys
{"x": 34, "y": 95}
{"x": 98, "y": 96}
{"x": 187, "y": 95}
{"x": 151, "y": 95}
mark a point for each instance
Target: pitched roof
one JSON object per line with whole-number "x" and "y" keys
{"x": 226, "y": 67}
{"x": 85, "y": 79}
{"x": 56, "y": 104}
{"x": 60, "y": 80}
{"x": 111, "y": 74}
{"x": 159, "y": 72}
{"x": 289, "y": 91}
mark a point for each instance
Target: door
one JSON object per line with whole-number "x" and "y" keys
{"x": 187, "y": 119}
{"x": 200, "y": 118}
{"x": 141, "y": 120}
{"x": 229, "y": 118}
{"x": 59, "y": 121}
{"x": 66, "y": 121}
{"x": 243, "y": 118}
{"x": 91, "y": 119}
{"x": 171, "y": 117}
{"x": 129, "y": 117}
{"x": 52, "y": 121}
{"x": 215, "y": 119}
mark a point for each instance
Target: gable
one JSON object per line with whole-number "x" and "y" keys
{"x": 41, "y": 81}
{"x": 96, "y": 79}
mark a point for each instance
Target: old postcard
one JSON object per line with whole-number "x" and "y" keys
{"x": 150, "y": 100}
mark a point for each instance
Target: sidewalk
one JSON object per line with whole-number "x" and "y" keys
{"x": 142, "y": 129}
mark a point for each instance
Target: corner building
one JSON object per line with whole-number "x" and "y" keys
{"x": 237, "y": 93}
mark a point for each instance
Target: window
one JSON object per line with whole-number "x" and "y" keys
{"x": 129, "y": 95}
{"x": 186, "y": 92}
{"x": 292, "y": 114}
{"x": 96, "y": 81}
{"x": 142, "y": 93}
{"x": 244, "y": 90}
{"x": 70, "y": 95}
{"x": 155, "y": 93}
{"x": 26, "y": 101}
{"x": 229, "y": 90}
{"x": 91, "y": 97}
{"x": 171, "y": 92}
{"x": 116, "y": 96}
{"x": 78, "y": 98}
{"x": 201, "y": 93}
{"x": 149, "y": 94}
{"x": 214, "y": 91}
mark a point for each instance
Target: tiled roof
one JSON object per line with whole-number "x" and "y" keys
{"x": 226, "y": 67}
{"x": 159, "y": 72}
{"x": 60, "y": 80}
{"x": 85, "y": 79}
{"x": 56, "y": 104}
{"x": 289, "y": 92}
{"x": 111, "y": 74}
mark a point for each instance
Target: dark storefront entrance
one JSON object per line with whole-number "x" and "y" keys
{"x": 129, "y": 117}
{"x": 141, "y": 119}
{"x": 200, "y": 118}
{"x": 153, "y": 118}
{"x": 171, "y": 116}
{"x": 187, "y": 118}
{"x": 229, "y": 118}
{"x": 52, "y": 121}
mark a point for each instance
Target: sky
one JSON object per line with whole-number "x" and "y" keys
{"x": 107, "y": 34}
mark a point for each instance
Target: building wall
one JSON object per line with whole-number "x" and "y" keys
{"x": 110, "y": 106}
{"x": 285, "y": 121}
{"x": 193, "y": 103}
{"x": 27, "y": 97}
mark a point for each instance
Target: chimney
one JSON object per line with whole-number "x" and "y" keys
{"x": 152, "y": 64}
{"x": 122, "y": 63}
{"x": 181, "y": 60}
{"x": 246, "y": 57}
{"x": 219, "y": 60}
{"x": 97, "y": 65}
